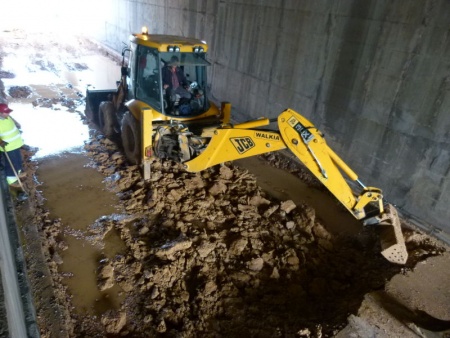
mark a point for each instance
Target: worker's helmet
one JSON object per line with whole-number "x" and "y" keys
{"x": 4, "y": 108}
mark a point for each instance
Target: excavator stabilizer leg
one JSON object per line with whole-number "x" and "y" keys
{"x": 392, "y": 242}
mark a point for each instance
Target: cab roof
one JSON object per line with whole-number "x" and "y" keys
{"x": 162, "y": 42}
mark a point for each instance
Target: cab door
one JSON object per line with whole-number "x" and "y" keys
{"x": 148, "y": 77}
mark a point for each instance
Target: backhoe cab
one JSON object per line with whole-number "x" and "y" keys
{"x": 187, "y": 128}
{"x": 141, "y": 103}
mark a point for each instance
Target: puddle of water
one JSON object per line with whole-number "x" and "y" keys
{"x": 53, "y": 73}
{"x": 113, "y": 244}
{"x": 74, "y": 192}
{"x": 51, "y": 131}
{"x": 285, "y": 186}
{"x": 81, "y": 260}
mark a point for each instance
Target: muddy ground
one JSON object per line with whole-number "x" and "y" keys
{"x": 212, "y": 254}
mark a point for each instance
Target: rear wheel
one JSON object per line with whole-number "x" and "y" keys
{"x": 107, "y": 119}
{"x": 131, "y": 138}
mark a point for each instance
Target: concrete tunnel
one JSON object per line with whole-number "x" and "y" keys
{"x": 373, "y": 76}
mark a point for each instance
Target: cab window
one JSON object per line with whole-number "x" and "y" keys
{"x": 148, "y": 86}
{"x": 191, "y": 99}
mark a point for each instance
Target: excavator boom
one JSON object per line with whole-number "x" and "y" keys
{"x": 305, "y": 141}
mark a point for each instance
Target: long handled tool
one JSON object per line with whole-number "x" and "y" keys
{"x": 15, "y": 172}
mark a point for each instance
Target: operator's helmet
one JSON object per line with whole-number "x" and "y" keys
{"x": 4, "y": 108}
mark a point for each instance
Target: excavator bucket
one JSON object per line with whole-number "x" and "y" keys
{"x": 392, "y": 242}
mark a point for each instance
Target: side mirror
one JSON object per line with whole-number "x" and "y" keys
{"x": 124, "y": 71}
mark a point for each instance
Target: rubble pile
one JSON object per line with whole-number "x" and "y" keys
{"x": 211, "y": 254}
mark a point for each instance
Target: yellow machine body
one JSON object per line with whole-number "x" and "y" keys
{"x": 152, "y": 126}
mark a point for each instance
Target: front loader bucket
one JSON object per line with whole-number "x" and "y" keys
{"x": 392, "y": 241}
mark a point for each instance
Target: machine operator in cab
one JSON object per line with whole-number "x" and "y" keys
{"x": 174, "y": 80}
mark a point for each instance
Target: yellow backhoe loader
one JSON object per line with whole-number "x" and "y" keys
{"x": 151, "y": 119}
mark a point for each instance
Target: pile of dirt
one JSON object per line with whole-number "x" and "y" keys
{"x": 211, "y": 254}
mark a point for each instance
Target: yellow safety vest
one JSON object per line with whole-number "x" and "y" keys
{"x": 9, "y": 133}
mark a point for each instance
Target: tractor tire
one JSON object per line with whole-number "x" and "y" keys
{"x": 131, "y": 138}
{"x": 107, "y": 119}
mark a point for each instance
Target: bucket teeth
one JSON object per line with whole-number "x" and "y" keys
{"x": 392, "y": 241}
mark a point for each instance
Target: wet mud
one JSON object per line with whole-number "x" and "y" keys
{"x": 75, "y": 195}
{"x": 227, "y": 252}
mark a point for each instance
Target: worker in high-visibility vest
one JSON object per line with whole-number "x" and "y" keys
{"x": 10, "y": 142}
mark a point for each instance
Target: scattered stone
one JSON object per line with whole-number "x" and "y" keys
{"x": 57, "y": 258}
{"x": 320, "y": 231}
{"x": 275, "y": 274}
{"x": 105, "y": 276}
{"x": 194, "y": 183}
{"x": 169, "y": 249}
{"x": 258, "y": 201}
{"x": 271, "y": 210}
{"x": 6, "y": 75}
{"x": 218, "y": 188}
{"x": 256, "y": 264}
{"x": 20, "y": 91}
{"x": 288, "y": 206}
{"x": 304, "y": 333}
{"x": 226, "y": 173}
{"x": 161, "y": 327}
{"x": 205, "y": 249}
{"x": 290, "y": 225}
{"x": 210, "y": 287}
{"x": 114, "y": 322}
{"x": 238, "y": 246}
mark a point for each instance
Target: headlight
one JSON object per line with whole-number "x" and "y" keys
{"x": 172, "y": 49}
{"x": 198, "y": 49}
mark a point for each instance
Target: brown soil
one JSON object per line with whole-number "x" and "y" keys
{"x": 210, "y": 254}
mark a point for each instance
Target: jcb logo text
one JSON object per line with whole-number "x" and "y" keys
{"x": 242, "y": 144}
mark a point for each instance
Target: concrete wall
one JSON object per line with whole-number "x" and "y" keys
{"x": 373, "y": 75}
